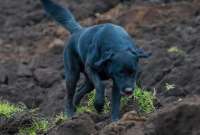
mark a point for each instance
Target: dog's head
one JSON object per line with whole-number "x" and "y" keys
{"x": 123, "y": 68}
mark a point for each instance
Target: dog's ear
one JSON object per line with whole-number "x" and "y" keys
{"x": 142, "y": 54}
{"x": 104, "y": 58}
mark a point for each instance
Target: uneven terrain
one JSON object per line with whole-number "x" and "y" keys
{"x": 31, "y": 63}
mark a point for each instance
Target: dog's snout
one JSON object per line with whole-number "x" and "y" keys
{"x": 128, "y": 89}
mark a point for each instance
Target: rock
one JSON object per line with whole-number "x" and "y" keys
{"x": 1, "y": 41}
{"x": 54, "y": 102}
{"x": 56, "y": 42}
{"x": 132, "y": 116}
{"x": 130, "y": 124}
{"x": 81, "y": 125}
{"x": 183, "y": 117}
{"x": 46, "y": 77}
{"x": 24, "y": 71}
{"x": 57, "y": 46}
{"x": 118, "y": 128}
{"x": 3, "y": 75}
{"x": 197, "y": 20}
{"x": 10, "y": 71}
{"x": 11, "y": 126}
{"x": 47, "y": 60}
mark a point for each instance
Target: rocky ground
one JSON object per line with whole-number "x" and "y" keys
{"x": 31, "y": 67}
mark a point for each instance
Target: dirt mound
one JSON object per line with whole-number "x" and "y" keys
{"x": 11, "y": 126}
{"x": 130, "y": 123}
{"x": 182, "y": 117}
{"x": 82, "y": 125}
{"x": 177, "y": 119}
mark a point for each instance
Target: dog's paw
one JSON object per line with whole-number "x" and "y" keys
{"x": 99, "y": 106}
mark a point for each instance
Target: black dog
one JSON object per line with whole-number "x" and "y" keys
{"x": 101, "y": 52}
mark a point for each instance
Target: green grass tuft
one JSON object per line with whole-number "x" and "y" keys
{"x": 124, "y": 100}
{"x": 176, "y": 50}
{"x": 145, "y": 100}
{"x": 169, "y": 87}
{"x": 90, "y": 104}
{"x": 89, "y": 107}
{"x": 38, "y": 126}
{"x": 8, "y": 110}
{"x": 60, "y": 118}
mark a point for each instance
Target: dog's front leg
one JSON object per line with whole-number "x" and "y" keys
{"x": 115, "y": 103}
{"x": 86, "y": 88}
{"x": 100, "y": 89}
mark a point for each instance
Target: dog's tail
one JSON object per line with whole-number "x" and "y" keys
{"x": 61, "y": 15}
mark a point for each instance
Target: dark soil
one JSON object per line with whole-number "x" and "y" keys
{"x": 178, "y": 119}
{"x": 31, "y": 67}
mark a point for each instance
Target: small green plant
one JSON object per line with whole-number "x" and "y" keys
{"x": 81, "y": 109}
{"x": 176, "y": 50}
{"x": 107, "y": 106}
{"x": 90, "y": 104}
{"x": 89, "y": 107}
{"x": 169, "y": 87}
{"x": 38, "y": 126}
{"x": 27, "y": 131}
{"x": 8, "y": 110}
{"x": 60, "y": 118}
{"x": 91, "y": 98}
{"x": 41, "y": 126}
{"x": 145, "y": 100}
{"x": 124, "y": 100}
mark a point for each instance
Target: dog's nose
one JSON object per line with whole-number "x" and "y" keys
{"x": 128, "y": 89}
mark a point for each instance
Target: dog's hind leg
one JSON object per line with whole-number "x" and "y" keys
{"x": 71, "y": 81}
{"x": 83, "y": 90}
{"x": 72, "y": 74}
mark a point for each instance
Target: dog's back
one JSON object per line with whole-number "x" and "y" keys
{"x": 100, "y": 38}
{"x": 86, "y": 37}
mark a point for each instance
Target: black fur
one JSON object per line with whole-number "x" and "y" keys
{"x": 101, "y": 52}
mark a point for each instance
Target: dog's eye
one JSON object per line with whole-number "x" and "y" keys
{"x": 130, "y": 72}
{"x": 121, "y": 71}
